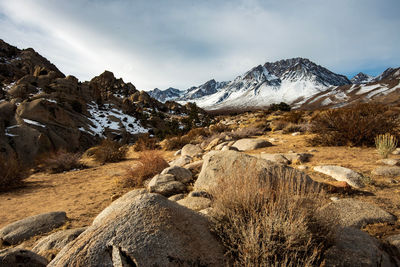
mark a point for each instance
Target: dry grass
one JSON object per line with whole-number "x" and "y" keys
{"x": 353, "y": 126}
{"x": 293, "y": 127}
{"x": 12, "y": 173}
{"x": 60, "y": 161}
{"x": 385, "y": 144}
{"x": 270, "y": 222}
{"x": 109, "y": 151}
{"x": 149, "y": 164}
{"x": 145, "y": 142}
{"x": 245, "y": 132}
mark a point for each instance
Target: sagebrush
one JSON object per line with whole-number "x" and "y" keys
{"x": 353, "y": 126}
{"x": 60, "y": 161}
{"x": 109, "y": 151}
{"x": 385, "y": 144}
{"x": 148, "y": 165}
{"x": 12, "y": 172}
{"x": 270, "y": 222}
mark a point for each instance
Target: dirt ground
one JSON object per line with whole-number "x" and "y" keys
{"x": 84, "y": 193}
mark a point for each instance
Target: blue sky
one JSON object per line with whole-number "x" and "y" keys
{"x": 171, "y": 43}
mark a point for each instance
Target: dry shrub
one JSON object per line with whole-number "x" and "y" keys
{"x": 149, "y": 164}
{"x": 198, "y": 132}
{"x": 145, "y": 142}
{"x": 292, "y": 128}
{"x": 270, "y": 222}
{"x": 385, "y": 144}
{"x": 12, "y": 173}
{"x": 219, "y": 128}
{"x": 353, "y": 126}
{"x": 278, "y": 125}
{"x": 176, "y": 142}
{"x": 246, "y": 132}
{"x": 109, "y": 151}
{"x": 60, "y": 161}
{"x": 294, "y": 116}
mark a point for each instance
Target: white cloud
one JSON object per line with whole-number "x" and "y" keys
{"x": 185, "y": 43}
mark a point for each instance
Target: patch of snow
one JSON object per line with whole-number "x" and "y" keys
{"x": 326, "y": 102}
{"x": 9, "y": 128}
{"x": 368, "y": 88}
{"x": 34, "y": 123}
{"x": 51, "y": 101}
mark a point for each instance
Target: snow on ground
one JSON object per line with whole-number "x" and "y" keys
{"x": 34, "y": 123}
{"x": 7, "y": 130}
{"x": 368, "y": 88}
{"x": 111, "y": 118}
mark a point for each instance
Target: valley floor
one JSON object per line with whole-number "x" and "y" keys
{"x": 84, "y": 193}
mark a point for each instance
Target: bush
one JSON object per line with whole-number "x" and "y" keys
{"x": 246, "y": 132}
{"x": 278, "y": 125}
{"x": 270, "y": 222}
{"x": 292, "y": 128}
{"x": 145, "y": 142}
{"x": 385, "y": 144}
{"x": 60, "y": 161}
{"x": 12, "y": 173}
{"x": 109, "y": 151}
{"x": 149, "y": 164}
{"x": 293, "y": 116}
{"x": 281, "y": 106}
{"x": 353, "y": 126}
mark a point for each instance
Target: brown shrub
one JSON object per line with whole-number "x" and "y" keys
{"x": 353, "y": 126}
{"x": 176, "y": 142}
{"x": 293, "y": 127}
{"x": 149, "y": 164}
{"x": 278, "y": 125}
{"x": 60, "y": 161}
{"x": 109, "y": 151}
{"x": 198, "y": 132}
{"x": 246, "y": 132}
{"x": 294, "y": 116}
{"x": 219, "y": 128}
{"x": 270, "y": 222}
{"x": 145, "y": 142}
{"x": 12, "y": 173}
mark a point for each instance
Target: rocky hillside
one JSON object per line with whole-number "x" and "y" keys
{"x": 41, "y": 109}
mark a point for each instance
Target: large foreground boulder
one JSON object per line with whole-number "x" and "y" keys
{"x": 219, "y": 165}
{"x": 31, "y": 226}
{"x": 149, "y": 231}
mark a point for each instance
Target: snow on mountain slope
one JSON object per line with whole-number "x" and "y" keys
{"x": 165, "y": 95}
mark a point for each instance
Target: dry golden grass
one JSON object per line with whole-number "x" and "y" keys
{"x": 150, "y": 163}
{"x": 270, "y": 222}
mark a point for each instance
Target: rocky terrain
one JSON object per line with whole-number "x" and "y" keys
{"x": 298, "y": 82}
{"x": 42, "y": 110}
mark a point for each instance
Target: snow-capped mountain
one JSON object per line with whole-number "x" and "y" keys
{"x": 361, "y": 78}
{"x": 385, "y": 88}
{"x": 284, "y": 80}
{"x": 165, "y": 95}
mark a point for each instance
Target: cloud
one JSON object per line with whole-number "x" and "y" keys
{"x": 184, "y": 43}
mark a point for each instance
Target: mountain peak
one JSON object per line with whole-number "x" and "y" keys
{"x": 361, "y": 78}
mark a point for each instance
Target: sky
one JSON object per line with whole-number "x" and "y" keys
{"x": 184, "y": 43}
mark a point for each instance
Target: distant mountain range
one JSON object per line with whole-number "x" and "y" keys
{"x": 296, "y": 81}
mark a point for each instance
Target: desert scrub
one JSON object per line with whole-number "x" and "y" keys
{"x": 385, "y": 144}
{"x": 270, "y": 222}
{"x": 12, "y": 173}
{"x": 357, "y": 125}
{"x": 148, "y": 165}
{"x": 60, "y": 161}
{"x": 145, "y": 142}
{"x": 109, "y": 151}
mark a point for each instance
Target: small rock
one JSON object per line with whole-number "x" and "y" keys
{"x": 296, "y": 133}
{"x": 212, "y": 144}
{"x": 177, "y": 153}
{"x": 181, "y": 161}
{"x": 226, "y": 148}
{"x": 291, "y": 151}
{"x": 312, "y": 150}
{"x": 56, "y": 241}
{"x": 177, "y": 197}
{"x": 195, "y": 203}
{"x": 220, "y": 146}
{"x": 302, "y": 167}
{"x": 31, "y": 226}
{"x": 334, "y": 199}
{"x": 390, "y": 162}
{"x": 272, "y": 139}
{"x": 341, "y": 174}
{"x": 194, "y": 167}
{"x": 181, "y": 174}
{"x": 350, "y": 212}
{"x": 251, "y": 144}
{"x": 166, "y": 185}
{"x": 19, "y": 257}
{"x": 391, "y": 171}
{"x": 191, "y": 150}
